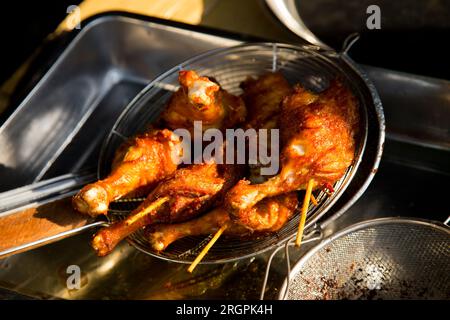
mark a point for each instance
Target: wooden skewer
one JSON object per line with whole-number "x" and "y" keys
{"x": 305, "y": 207}
{"x": 314, "y": 200}
{"x": 153, "y": 206}
{"x": 207, "y": 247}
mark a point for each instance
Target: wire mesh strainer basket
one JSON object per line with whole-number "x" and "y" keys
{"x": 388, "y": 258}
{"x": 312, "y": 67}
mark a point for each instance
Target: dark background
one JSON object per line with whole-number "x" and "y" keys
{"x": 414, "y": 36}
{"x": 23, "y": 27}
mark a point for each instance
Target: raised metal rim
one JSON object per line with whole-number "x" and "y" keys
{"x": 292, "y": 20}
{"x": 315, "y": 51}
{"x": 356, "y": 227}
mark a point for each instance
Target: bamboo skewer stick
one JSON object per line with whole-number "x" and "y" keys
{"x": 303, "y": 213}
{"x": 207, "y": 247}
{"x": 153, "y": 206}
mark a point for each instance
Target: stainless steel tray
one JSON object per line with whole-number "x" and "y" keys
{"x": 60, "y": 124}
{"x": 59, "y": 127}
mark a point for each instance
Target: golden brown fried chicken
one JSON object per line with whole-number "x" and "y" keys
{"x": 142, "y": 161}
{"x": 186, "y": 194}
{"x": 317, "y": 136}
{"x": 262, "y": 97}
{"x": 200, "y": 99}
{"x": 269, "y": 215}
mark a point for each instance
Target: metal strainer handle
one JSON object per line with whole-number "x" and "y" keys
{"x": 314, "y": 235}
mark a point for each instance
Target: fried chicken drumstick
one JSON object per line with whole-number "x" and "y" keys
{"x": 268, "y": 90}
{"x": 262, "y": 97}
{"x": 317, "y": 136}
{"x": 200, "y": 99}
{"x": 143, "y": 161}
{"x": 268, "y": 215}
{"x": 189, "y": 192}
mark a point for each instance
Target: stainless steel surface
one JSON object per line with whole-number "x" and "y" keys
{"x": 408, "y": 94}
{"x": 388, "y": 258}
{"x": 43, "y": 192}
{"x": 35, "y": 197}
{"x": 411, "y": 180}
{"x": 57, "y": 236}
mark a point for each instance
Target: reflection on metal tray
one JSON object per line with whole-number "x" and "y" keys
{"x": 410, "y": 181}
{"x": 58, "y": 121}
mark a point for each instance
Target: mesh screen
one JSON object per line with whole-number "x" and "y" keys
{"x": 385, "y": 261}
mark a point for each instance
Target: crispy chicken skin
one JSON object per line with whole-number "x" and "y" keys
{"x": 317, "y": 132}
{"x": 191, "y": 190}
{"x": 200, "y": 99}
{"x": 141, "y": 162}
{"x": 317, "y": 137}
{"x": 144, "y": 160}
{"x": 269, "y": 215}
{"x": 262, "y": 97}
